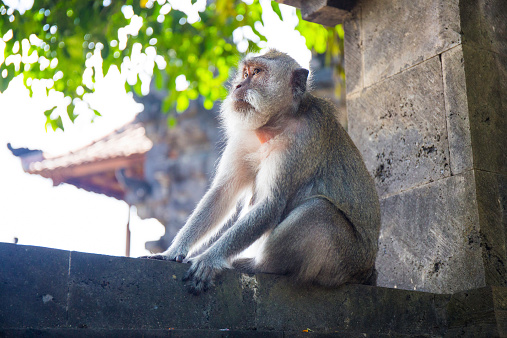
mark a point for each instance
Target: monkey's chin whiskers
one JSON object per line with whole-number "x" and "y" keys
{"x": 242, "y": 106}
{"x": 253, "y": 98}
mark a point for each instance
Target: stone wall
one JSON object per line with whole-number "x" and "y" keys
{"x": 55, "y": 293}
{"x": 427, "y": 106}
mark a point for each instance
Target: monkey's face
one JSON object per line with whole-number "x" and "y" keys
{"x": 261, "y": 90}
{"x": 247, "y": 90}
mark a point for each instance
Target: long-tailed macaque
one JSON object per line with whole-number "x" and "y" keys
{"x": 289, "y": 175}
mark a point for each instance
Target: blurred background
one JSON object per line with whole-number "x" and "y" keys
{"x": 109, "y": 132}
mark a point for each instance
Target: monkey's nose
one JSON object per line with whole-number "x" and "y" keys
{"x": 238, "y": 86}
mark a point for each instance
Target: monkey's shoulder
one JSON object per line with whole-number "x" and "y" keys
{"x": 314, "y": 104}
{"x": 320, "y": 114}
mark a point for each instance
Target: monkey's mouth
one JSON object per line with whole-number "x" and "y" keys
{"x": 240, "y": 104}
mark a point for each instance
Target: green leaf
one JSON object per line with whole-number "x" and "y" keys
{"x": 70, "y": 112}
{"x": 276, "y": 9}
{"x": 53, "y": 123}
{"x": 48, "y": 123}
{"x": 137, "y": 87}
{"x": 208, "y": 104}
{"x": 182, "y": 103}
{"x": 192, "y": 94}
{"x": 340, "y": 31}
{"x": 49, "y": 111}
{"x": 4, "y": 82}
{"x": 58, "y": 123}
{"x": 159, "y": 78}
{"x": 167, "y": 104}
{"x": 172, "y": 122}
{"x": 105, "y": 51}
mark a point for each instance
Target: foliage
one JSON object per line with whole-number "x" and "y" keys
{"x": 73, "y": 43}
{"x": 328, "y": 40}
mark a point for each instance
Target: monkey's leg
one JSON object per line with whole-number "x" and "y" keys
{"x": 246, "y": 265}
{"x": 317, "y": 244}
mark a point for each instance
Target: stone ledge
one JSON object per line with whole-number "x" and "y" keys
{"x": 62, "y": 293}
{"x": 106, "y": 333}
{"x": 325, "y": 12}
{"x": 84, "y": 332}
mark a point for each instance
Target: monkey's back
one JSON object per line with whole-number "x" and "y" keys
{"x": 342, "y": 176}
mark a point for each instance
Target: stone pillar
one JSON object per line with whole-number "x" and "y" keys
{"x": 427, "y": 107}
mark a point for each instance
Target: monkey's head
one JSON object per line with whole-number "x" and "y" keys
{"x": 265, "y": 87}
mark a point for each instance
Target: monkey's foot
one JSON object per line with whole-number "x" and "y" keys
{"x": 200, "y": 278}
{"x": 201, "y": 274}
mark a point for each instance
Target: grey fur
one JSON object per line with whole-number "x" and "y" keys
{"x": 312, "y": 198}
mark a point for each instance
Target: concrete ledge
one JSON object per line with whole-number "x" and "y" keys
{"x": 47, "y": 292}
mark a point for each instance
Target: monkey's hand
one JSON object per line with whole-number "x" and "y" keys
{"x": 202, "y": 272}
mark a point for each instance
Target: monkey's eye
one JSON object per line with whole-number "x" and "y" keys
{"x": 245, "y": 75}
{"x": 256, "y": 71}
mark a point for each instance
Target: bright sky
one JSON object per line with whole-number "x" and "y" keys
{"x": 65, "y": 217}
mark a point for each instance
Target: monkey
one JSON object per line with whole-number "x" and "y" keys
{"x": 289, "y": 177}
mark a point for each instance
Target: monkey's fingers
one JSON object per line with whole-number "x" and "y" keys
{"x": 200, "y": 277}
{"x": 197, "y": 285}
{"x": 190, "y": 273}
{"x": 195, "y": 271}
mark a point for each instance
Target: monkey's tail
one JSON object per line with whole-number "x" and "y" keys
{"x": 246, "y": 265}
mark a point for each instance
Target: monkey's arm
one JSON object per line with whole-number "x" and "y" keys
{"x": 212, "y": 209}
{"x": 265, "y": 215}
{"x": 226, "y": 226}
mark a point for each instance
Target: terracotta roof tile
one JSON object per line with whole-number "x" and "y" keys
{"x": 128, "y": 140}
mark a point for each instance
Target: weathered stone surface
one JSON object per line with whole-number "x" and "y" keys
{"x": 353, "y": 52}
{"x": 492, "y": 205}
{"x": 456, "y": 107}
{"x": 281, "y": 306}
{"x": 430, "y": 238}
{"x": 458, "y": 123}
{"x": 478, "y": 313}
{"x": 400, "y": 34}
{"x": 324, "y": 12}
{"x": 484, "y": 23}
{"x": 123, "y": 297}
{"x": 103, "y": 296}
{"x": 226, "y": 334}
{"x": 486, "y": 82}
{"x": 399, "y": 125}
{"x": 126, "y": 333}
{"x": 33, "y": 286}
{"x": 113, "y": 292}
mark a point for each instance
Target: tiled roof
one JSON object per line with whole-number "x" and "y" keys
{"x": 124, "y": 142}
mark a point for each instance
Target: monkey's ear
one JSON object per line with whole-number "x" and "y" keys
{"x": 298, "y": 81}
